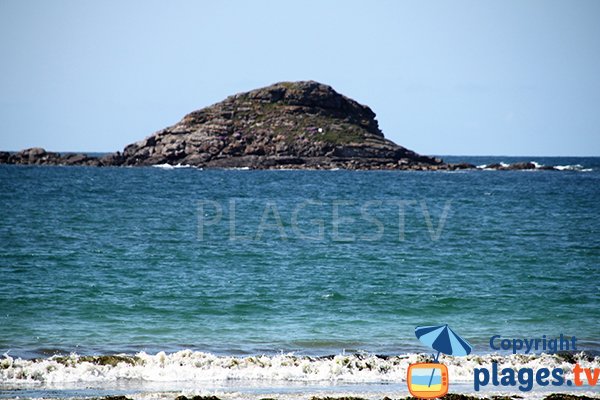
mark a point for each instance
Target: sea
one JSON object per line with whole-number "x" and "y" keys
{"x": 251, "y": 284}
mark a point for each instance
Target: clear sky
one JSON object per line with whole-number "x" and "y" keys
{"x": 444, "y": 77}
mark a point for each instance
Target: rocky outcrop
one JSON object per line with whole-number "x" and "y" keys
{"x": 286, "y": 125}
{"x": 518, "y": 166}
{"x": 39, "y": 156}
{"x": 512, "y": 167}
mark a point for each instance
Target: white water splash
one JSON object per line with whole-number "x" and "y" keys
{"x": 191, "y": 366}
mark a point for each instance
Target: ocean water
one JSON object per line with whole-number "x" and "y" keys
{"x": 298, "y": 276}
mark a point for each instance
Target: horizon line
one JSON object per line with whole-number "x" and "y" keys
{"x": 426, "y": 154}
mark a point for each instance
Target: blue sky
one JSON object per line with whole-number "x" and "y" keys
{"x": 444, "y": 77}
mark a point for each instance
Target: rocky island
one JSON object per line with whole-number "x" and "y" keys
{"x": 298, "y": 125}
{"x": 286, "y": 125}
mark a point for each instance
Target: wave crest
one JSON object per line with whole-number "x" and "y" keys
{"x": 187, "y": 365}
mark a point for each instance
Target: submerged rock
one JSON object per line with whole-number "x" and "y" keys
{"x": 116, "y": 398}
{"x": 518, "y": 166}
{"x": 111, "y": 360}
{"x": 521, "y": 165}
{"x": 197, "y": 398}
{"x": 561, "y": 396}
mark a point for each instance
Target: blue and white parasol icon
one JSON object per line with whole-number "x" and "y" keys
{"x": 444, "y": 340}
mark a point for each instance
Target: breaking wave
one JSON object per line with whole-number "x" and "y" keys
{"x": 187, "y": 365}
{"x": 574, "y": 167}
{"x": 536, "y": 165}
{"x": 169, "y": 166}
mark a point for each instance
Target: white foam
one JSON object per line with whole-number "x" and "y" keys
{"x": 485, "y": 166}
{"x": 169, "y": 166}
{"x": 574, "y": 167}
{"x": 192, "y": 366}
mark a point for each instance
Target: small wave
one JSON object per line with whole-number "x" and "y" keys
{"x": 332, "y": 296}
{"x": 535, "y": 166}
{"x": 193, "y": 366}
{"x": 574, "y": 167}
{"x": 169, "y": 166}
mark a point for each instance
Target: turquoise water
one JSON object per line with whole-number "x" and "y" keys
{"x": 105, "y": 260}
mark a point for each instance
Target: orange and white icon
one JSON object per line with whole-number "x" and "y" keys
{"x": 427, "y": 380}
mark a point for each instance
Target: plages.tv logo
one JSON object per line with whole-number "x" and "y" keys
{"x": 430, "y": 380}
{"x": 525, "y": 377}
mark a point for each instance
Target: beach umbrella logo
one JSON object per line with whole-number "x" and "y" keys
{"x": 430, "y": 380}
{"x": 444, "y": 340}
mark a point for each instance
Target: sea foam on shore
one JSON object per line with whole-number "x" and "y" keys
{"x": 187, "y": 365}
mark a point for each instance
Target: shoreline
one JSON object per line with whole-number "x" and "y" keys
{"x": 40, "y": 157}
{"x": 284, "y": 376}
{"x": 293, "y": 394}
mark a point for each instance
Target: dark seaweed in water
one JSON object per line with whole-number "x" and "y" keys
{"x": 111, "y": 360}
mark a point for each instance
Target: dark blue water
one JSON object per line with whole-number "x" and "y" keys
{"x": 104, "y": 260}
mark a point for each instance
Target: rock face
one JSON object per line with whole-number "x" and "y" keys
{"x": 286, "y": 125}
{"x": 39, "y": 156}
